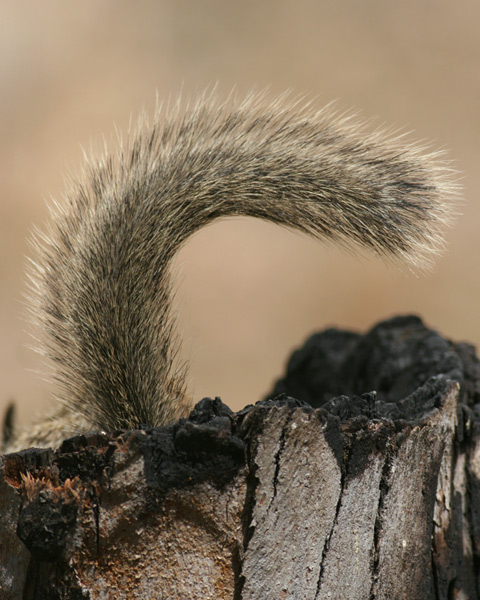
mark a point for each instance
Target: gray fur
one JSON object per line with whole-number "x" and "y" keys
{"x": 102, "y": 288}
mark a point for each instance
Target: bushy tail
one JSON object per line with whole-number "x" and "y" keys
{"x": 103, "y": 287}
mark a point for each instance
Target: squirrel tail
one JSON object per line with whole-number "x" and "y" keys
{"x": 102, "y": 281}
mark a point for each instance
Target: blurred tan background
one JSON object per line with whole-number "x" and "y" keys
{"x": 249, "y": 292}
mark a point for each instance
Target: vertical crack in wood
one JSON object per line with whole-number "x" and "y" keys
{"x": 252, "y": 482}
{"x": 454, "y": 557}
{"x": 346, "y": 458}
{"x": 248, "y": 529}
{"x": 453, "y": 564}
{"x": 434, "y": 570}
{"x": 472, "y": 484}
{"x": 384, "y": 489}
{"x": 238, "y": 578}
{"x": 278, "y": 455}
{"x": 283, "y": 554}
{"x": 472, "y": 508}
{"x": 439, "y": 553}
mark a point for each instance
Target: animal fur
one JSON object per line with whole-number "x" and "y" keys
{"x": 102, "y": 289}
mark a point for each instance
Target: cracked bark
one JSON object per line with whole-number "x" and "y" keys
{"x": 371, "y": 496}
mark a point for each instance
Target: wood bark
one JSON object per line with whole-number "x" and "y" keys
{"x": 371, "y": 496}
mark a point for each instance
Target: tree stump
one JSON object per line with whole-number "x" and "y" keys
{"x": 370, "y": 495}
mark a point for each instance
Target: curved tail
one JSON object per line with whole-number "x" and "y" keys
{"x": 103, "y": 287}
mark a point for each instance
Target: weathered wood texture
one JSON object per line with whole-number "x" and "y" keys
{"x": 371, "y": 497}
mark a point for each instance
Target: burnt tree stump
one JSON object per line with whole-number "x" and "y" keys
{"x": 372, "y": 494}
